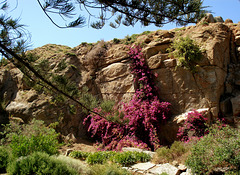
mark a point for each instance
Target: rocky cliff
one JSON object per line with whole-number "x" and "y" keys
{"x": 104, "y": 68}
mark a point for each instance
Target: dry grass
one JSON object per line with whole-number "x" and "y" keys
{"x": 178, "y": 151}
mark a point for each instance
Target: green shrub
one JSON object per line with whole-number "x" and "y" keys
{"x": 79, "y": 155}
{"x": 180, "y": 29}
{"x": 129, "y": 157}
{"x": 39, "y": 163}
{"x": 26, "y": 139}
{"x": 187, "y": 52}
{"x": 79, "y": 166}
{"x": 116, "y": 41}
{"x": 219, "y": 149}
{"x": 108, "y": 169}
{"x": 3, "y": 62}
{"x": 100, "y": 157}
{"x": 177, "y": 151}
{"x": 4, "y": 157}
{"x": 146, "y": 33}
{"x": 130, "y": 39}
{"x": 107, "y": 105}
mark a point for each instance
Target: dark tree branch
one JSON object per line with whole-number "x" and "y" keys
{"x": 158, "y": 12}
{"x": 61, "y": 27}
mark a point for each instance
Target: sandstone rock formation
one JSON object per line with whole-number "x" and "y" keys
{"x": 104, "y": 68}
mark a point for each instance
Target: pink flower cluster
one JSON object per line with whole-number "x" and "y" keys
{"x": 194, "y": 127}
{"x": 143, "y": 75}
{"x": 139, "y": 126}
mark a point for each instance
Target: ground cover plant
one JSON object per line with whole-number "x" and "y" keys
{"x": 137, "y": 123}
{"x": 99, "y": 157}
{"x": 79, "y": 155}
{"x": 121, "y": 158}
{"x": 129, "y": 158}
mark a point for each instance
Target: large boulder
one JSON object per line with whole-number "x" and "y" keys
{"x": 115, "y": 82}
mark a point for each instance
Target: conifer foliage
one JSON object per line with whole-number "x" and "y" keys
{"x": 137, "y": 124}
{"x": 126, "y": 12}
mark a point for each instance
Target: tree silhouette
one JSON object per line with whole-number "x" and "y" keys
{"x": 126, "y": 12}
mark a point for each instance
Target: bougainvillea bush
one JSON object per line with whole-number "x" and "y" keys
{"x": 136, "y": 123}
{"x": 194, "y": 127}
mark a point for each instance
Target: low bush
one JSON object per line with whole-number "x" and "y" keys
{"x": 219, "y": 149}
{"x": 99, "y": 157}
{"x": 116, "y": 41}
{"x": 4, "y": 157}
{"x": 178, "y": 151}
{"x": 129, "y": 158}
{"x": 28, "y": 138}
{"x": 108, "y": 169}
{"x": 79, "y": 155}
{"x": 79, "y": 166}
{"x": 39, "y": 163}
{"x": 130, "y": 39}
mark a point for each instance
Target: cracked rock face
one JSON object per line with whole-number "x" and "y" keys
{"x": 213, "y": 86}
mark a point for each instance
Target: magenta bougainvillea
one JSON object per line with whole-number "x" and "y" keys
{"x": 137, "y": 124}
{"x": 194, "y": 127}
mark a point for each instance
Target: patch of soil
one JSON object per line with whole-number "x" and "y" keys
{"x": 79, "y": 145}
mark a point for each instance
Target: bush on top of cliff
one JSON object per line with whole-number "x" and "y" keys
{"x": 3, "y": 62}
{"x": 187, "y": 52}
{"x": 137, "y": 123}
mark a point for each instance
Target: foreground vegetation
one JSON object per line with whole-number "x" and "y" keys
{"x": 33, "y": 149}
{"x": 37, "y": 153}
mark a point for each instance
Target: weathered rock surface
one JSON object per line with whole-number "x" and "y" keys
{"x": 104, "y": 69}
{"x": 155, "y": 169}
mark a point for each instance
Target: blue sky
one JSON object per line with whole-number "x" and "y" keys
{"x": 44, "y": 32}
